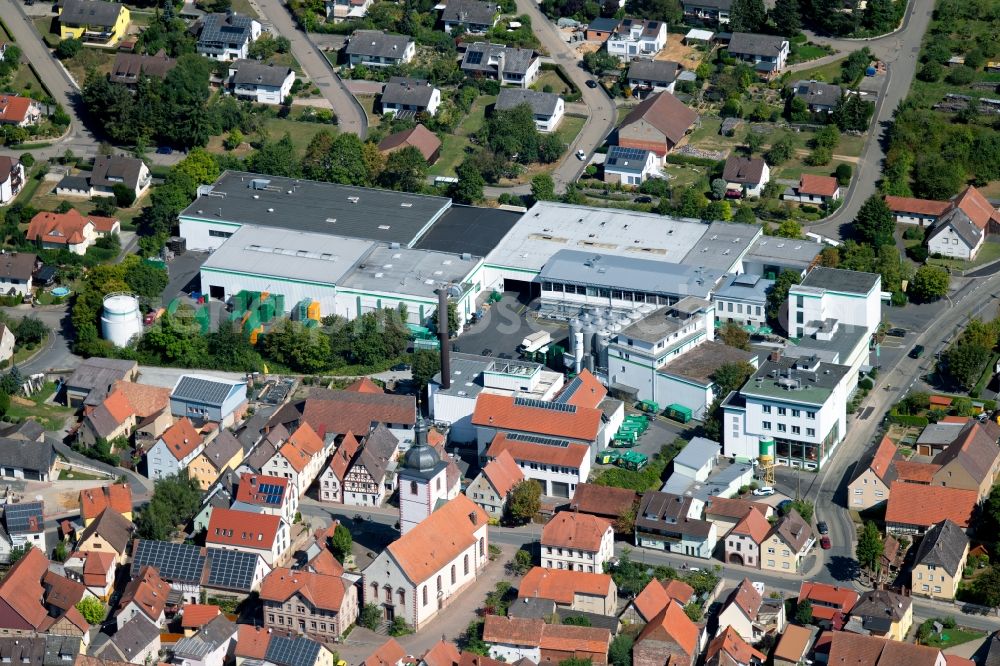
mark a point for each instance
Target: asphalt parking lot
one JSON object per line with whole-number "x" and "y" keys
{"x": 184, "y": 274}
{"x": 503, "y": 326}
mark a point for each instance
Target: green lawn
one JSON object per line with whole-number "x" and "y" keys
{"x": 708, "y": 129}
{"x": 956, "y": 636}
{"x": 22, "y": 354}
{"x": 76, "y": 475}
{"x": 452, "y": 153}
{"x": 569, "y": 127}
{"x": 550, "y": 78}
{"x": 89, "y": 58}
{"x": 827, "y": 72}
{"x": 52, "y": 417}
{"x": 301, "y": 132}
{"x": 477, "y": 116}
{"x": 987, "y": 253}
{"x": 807, "y": 52}
{"x": 367, "y": 102}
{"x": 25, "y": 81}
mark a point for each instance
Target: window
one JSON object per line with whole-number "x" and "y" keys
{"x": 796, "y": 413}
{"x": 766, "y": 425}
{"x": 937, "y": 588}
{"x": 799, "y": 317}
{"x": 454, "y": 578}
{"x": 425, "y": 595}
{"x": 388, "y": 595}
{"x": 214, "y": 233}
{"x": 413, "y": 487}
{"x": 770, "y": 563}
{"x": 770, "y": 551}
{"x": 465, "y": 565}
{"x": 781, "y": 427}
{"x": 784, "y": 565}
{"x": 795, "y": 430}
{"x": 782, "y": 411}
{"x": 811, "y": 432}
{"x": 482, "y": 546}
{"x": 401, "y": 593}
{"x": 766, "y": 409}
{"x": 810, "y": 415}
{"x": 374, "y": 592}
{"x": 798, "y": 301}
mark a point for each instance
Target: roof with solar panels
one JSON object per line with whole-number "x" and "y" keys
{"x": 260, "y": 490}
{"x": 186, "y": 564}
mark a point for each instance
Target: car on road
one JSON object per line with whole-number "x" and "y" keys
{"x": 822, "y": 527}
{"x": 783, "y": 506}
{"x": 164, "y": 150}
{"x": 400, "y": 367}
{"x": 896, "y": 332}
{"x": 764, "y": 491}
{"x": 644, "y": 200}
{"x": 487, "y": 352}
{"x": 825, "y": 543}
{"x": 591, "y": 83}
{"x": 580, "y": 155}
{"x": 917, "y": 351}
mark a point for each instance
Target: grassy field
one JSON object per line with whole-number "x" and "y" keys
{"x": 827, "y": 72}
{"x": 44, "y": 198}
{"x": 367, "y": 102}
{"x": 454, "y": 145}
{"x": 550, "y": 78}
{"x": 52, "y": 417}
{"x": 569, "y": 128}
{"x": 88, "y": 59}
{"x": 77, "y": 475}
{"x": 806, "y": 52}
{"x": 955, "y": 636}
{"x": 25, "y": 81}
{"x": 301, "y": 132}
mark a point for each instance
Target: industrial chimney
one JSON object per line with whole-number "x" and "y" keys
{"x": 443, "y": 336}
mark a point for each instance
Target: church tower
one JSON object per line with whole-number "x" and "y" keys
{"x": 422, "y": 481}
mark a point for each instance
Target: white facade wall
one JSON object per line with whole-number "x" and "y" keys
{"x": 271, "y": 553}
{"x": 417, "y": 499}
{"x": 133, "y": 609}
{"x": 550, "y": 123}
{"x": 739, "y": 311}
{"x": 745, "y": 547}
{"x": 266, "y": 94}
{"x": 7, "y": 187}
{"x": 949, "y": 244}
{"x": 161, "y": 463}
{"x": 287, "y": 511}
{"x": 511, "y": 653}
{"x": 385, "y": 572}
{"x": 573, "y": 559}
{"x": 819, "y": 304}
{"x": 453, "y": 409}
{"x": 755, "y": 190}
{"x": 915, "y": 218}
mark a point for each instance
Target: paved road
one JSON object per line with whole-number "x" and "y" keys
{"x": 350, "y": 116}
{"x": 56, "y": 354}
{"x": 601, "y": 112}
{"x": 899, "y": 51}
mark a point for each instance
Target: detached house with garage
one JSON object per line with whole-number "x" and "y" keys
{"x": 404, "y": 96}
{"x": 745, "y": 176}
{"x": 475, "y": 17}
{"x": 71, "y": 230}
{"x": 228, "y": 36}
{"x": 767, "y": 53}
{"x": 506, "y": 64}
{"x": 819, "y": 97}
{"x": 637, "y": 37}
{"x": 257, "y": 82}
{"x": 578, "y": 542}
{"x": 374, "y": 48}
{"x": 658, "y": 124}
{"x": 546, "y": 108}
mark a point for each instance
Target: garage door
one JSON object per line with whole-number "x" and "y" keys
{"x": 525, "y": 290}
{"x": 560, "y": 489}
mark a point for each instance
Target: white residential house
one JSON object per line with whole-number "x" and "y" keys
{"x": 7, "y": 341}
{"x": 767, "y": 53}
{"x": 403, "y": 95}
{"x": 347, "y": 10}
{"x": 272, "y": 495}
{"x": 745, "y": 176}
{"x": 751, "y": 615}
{"x": 630, "y": 166}
{"x": 547, "y": 108}
{"x": 174, "y": 450}
{"x": 254, "y": 533}
{"x": 637, "y": 37}
{"x": 652, "y": 76}
{"x": 508, "y": 65}
{"x": 257, "y": 82}
{"x": 673, "y": 523}
{"x": 228, "y": 36}
{"x": 300, "y": 459}
{"x": 490, "y": 489}
{"x": 16, "y": 269}
{"x": 577, "y": 542}
{"x": 374, "y": 48}
{"x": 956, "y": 235}
{"x": 814, "y": 190}
{"x": 475, "y": 17}
{"x": 11, "y": 178}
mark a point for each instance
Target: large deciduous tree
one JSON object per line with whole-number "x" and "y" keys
{"x": 870, "y": 547}
{"x": 875, "y": 224}
{"x": 525, "y": 501}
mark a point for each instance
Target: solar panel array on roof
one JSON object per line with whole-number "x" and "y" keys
{"x": 271, "y": 492}
{"x": 231, "y": 569}
{"x": 175, "y": 562}
{"x": 535, "y": 439}
{"x": 24, "y": 518}
{"x": 570, "y": 390}
{"x": 545, "y": 404}
{"x": 292, "y": 651}
{"x": 202, "y": 390}
{"x": 628, "y": 153}
{"x": 474, "y": 57}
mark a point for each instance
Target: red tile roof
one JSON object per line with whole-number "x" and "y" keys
{"x": 602, "y": 500}
{"x": 753, "y": 525}
{"x": 503, "y": 473}
{"x": 500, "y": 412}
{"x": 513, "y": 630}
{"x": 248, "y": 490}
{"x": 824, "y": 186}
{"x": 343, "y": 455}
{"x": 590, "y": 391}
{"x": 793, "y": 644}
{"x": 916, "y": 472}
{"x": 573, "y": 455}
{"x": 148, "y": 591}
{"x": 977, "y": 207}
{"x": 657, "y": 594}
{"x": 96, "y": 566}
{"x": 828, "y": 600}
{"x": 251, "y": 641}
{"x": 14, "y": 108}
{"x": 438, "y": 539}
{"x": 922, "y": 506}
{"x": 884, "y": 454}
{"x": 561, "y": 585}
{"x": 295, "y": 456}
{"x": 580, "y": 531}
{"x": 326, "y": 563}
{"x": 732, "y": 643}
{"x": 733, "y": 508}
{"x": 322, "y": 591}
{"x": 21, "y": 589}
{"x": 307, "y": 439}
{"x": 418, "y": 137}
{"x": 364, "y": 385}
{"x": 917, "y": 206}
{"x": 389, "y": 653}
{"x": 181, "y": 438}
{"x": 570, "y": 638}
{"x": 241, "y": 528}
{"x": 144, "y": 399}
{"x": 955, "y": 419}
{"x": 664, "y": 112}
{"x": 193, "y": 616}
{"x": 747, "y": 598}
{"x": 351, "y": 411}
{"x": 94, "y": 501}
{"x": 63, "y": 228}
{"x": 443, "y": 653}
{"x": 672, "y": 625}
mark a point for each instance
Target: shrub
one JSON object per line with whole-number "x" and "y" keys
{"x": 917, "y": 253}
{"x": 914, "y": 233}
{"x": 867, "y": 384}
{"x": 68, "y": 48}
{"x": 960, "y": 76}
{"x": 843, "y": 173}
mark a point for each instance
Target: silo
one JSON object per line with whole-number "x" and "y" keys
{"x": 603, "y": 339}
{"x": 576, "y": 344}
{"x": 121, "y": 319}
{"x": 589, "y": 331}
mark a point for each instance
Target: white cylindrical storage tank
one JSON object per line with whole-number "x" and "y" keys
{"x": 603, "y": 339}
{"x": 121, "y": 319}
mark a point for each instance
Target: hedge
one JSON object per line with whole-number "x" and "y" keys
{"x": 691, "y": 159}
{"x": 905, "y": 419}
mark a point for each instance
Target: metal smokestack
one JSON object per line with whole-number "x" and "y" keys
{"x": 443, "y": 336}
